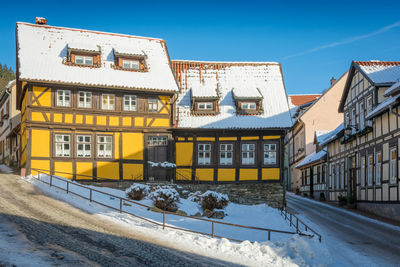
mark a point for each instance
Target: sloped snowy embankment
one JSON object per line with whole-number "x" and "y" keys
{"x": 283, "y": 250}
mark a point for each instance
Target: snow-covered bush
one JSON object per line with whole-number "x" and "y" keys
{"x": 211, "y": 200}
{"x": 195, "y": 197}
{"x": 137, "y": 191}
{"x": 165, "y": 199}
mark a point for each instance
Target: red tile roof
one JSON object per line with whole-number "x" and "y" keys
{"x": 377, "y": 63}
{"x": 299, "y": 100}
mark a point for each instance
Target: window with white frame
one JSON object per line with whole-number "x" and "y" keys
{"x": 204, "y": 154}
{"x": 369, "y": 108}
{"x": 370, "y": 172}
{"x": 337, "y": 175}
{"x": 157, "y": 140}
{"x": 362, "y": 171}
{"x": 333, "y": 174}
{"x": 130, "y": 64}
{"x": 152, "y": 105}
{"x": 130, "y": 103}
{"x": 83, "y": 146}
{"x": 393, "y": 166}
{"x": 378, "y": 168}
{"x": 248, "y": 154}
{"x": 84, "y": 99}
{"x": 353, "y": 121}
{"x": 108, "y": 101}
{"x": 225, "y": 154}
{"x": 315, "y": 175}
{"x": 83, "y": 60}
{"x": 269, "y": 154}
{"x": 104, "y": 146}
{"x": 62, "y": 144}
{"x": 205, "y": 106}
{"x": 249, "y": 105}
{"x": 63, "y": 98}
{"x": 362, "y": 115}
{"x": 342, "y": 176}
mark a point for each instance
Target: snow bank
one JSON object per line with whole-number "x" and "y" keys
{"x": 286, "y": 250}
{"x": 5, "y": 169}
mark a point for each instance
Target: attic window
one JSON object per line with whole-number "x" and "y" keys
{"x": 83, "y": 60}
{"x": 249, "y": 105}
{"x": 127, "y": 59}
{"x": 205, "y": 106}
{"x": 83, "y": 55}
{"x": 130, "y": 64}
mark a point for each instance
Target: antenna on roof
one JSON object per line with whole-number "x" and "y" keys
{"x": 41, "y": 21}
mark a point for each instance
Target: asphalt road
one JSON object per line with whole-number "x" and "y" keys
{"x": 66, "y": 236}
{"x": 354, "y": 239}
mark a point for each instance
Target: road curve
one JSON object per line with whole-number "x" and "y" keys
{"x": 351, "y": 237}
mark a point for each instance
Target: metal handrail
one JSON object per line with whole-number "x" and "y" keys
{"x": 285, "y": 212}
{"x": 125, "y": 200}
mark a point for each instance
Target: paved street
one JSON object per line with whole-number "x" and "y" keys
{"x": 66, "y": 236}
{"x": 353, "y": 238}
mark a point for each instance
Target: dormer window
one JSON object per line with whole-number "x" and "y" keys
{"x": 248, "y": 100}
{"x": 205, "y": 98}
{"x": 248, "y": 106}
{"x": 205, "y": 106}
{"x": 130, "y": 64}
{"x": 83, "y": 60}
{"x": 83, "y": 54}
{"x": 128, "y": 59}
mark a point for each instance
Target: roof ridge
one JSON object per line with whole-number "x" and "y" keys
{"x": 89, "y": 31}
{"x": 369, "y": 63}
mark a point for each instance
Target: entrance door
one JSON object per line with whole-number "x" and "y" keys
{"x": 157, "y": 152}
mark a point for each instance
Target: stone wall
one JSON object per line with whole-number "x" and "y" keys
{"x": 388, "y": 211}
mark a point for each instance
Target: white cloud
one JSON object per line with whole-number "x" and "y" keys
{"x": 346, "y": 41}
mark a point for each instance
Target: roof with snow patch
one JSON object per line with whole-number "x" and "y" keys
{"x": 331, "y": 136}
{"x": 233, "y": 78}
{"x": 395, "y": 88}
{"x": 312, "y": 158}
{"x": 383, "y": 107}
{"x": 41, "y": 50}
{"x": 380, "y": 72}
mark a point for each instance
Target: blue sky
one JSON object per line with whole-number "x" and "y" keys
{"x": 313, "y": 40}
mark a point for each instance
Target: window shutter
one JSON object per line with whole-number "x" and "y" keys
{"x": 141, "y": 105}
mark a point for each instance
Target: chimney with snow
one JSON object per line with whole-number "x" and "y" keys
{"x": 333, "y": 80}
{"x": 41, "y": 21}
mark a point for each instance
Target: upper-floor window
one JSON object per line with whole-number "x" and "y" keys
{"x": 369, "y": 107}
{"x": 204, "y": 154}
{"x": 205, "y": 106}
{"x": 108, "y": 101}
{"x": 393, "y": 166}
{"x": 63, "y": 98}
{"x": 269, "y": 153}
{"x": 62, "y": 144}
{"x": 130, "y": 102}
{"x": 248, "y": 154}
{"x": 84, "y": 99}
{"x": 249, "y": 105}
{"x": 83, "y": 60}
{"x": 152, "y": 105}
{"x": 378, "y": 168}
{"x": 333, "y": 175}
{"x": 104, "y": 146}
{"x": 130, "y": 64}
{"x": 225, "y": 154}
{"x": 83, "y": 146}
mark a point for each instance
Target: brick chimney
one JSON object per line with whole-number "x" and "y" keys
{"x": 41, "y": 21}
{"x": 333, "y": 80}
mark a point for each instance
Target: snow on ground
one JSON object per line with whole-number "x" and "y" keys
{"x": 283, "y": 250}
{"x": 5, "y": 169}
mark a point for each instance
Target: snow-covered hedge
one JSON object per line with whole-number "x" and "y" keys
{"x": 137, "y": 191}
{"x": 195, "y": 197}
{"x": 211, "y": 200}
{"x": 165, "y": 199}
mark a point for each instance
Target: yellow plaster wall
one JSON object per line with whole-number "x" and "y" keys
{"x": 116, "y": 145}
{"x": 205, "y": 138}
{"x": 139, "y": 121}
{"x": 113, "y": 121}
{"x": 40, "y": 165}
{"x": 37, "y": 116}
{"x": 132, "y": 146}
{"x": 248, "y": 174}
{"x": 57, "y": 117}
{"x": 205, "y": 174}
{"x": 108, "y": 170}
{"x": 84, "y": 168}
{"x": 270, "y": 174}
{"x": 160, "y": 123}
{"x": 44, "y": 99}
{"x": 249, "y": 138}
{"x": 127, "y": 121}
{"x": 40, "y": 143}
{"x": 227, "y": 138}
{"x": 132, "y": 171}
{"x": 89, "y": 119}
{"x": 226, "y": 174}
{"x": 79, "y": 119}
{"x": 68, "y": 118}
{"x": 184, "y": 153}
{"x": 184, "y": 174}
{"x": 101, "y": 120}
{"x": 271, "y": 137}
{"x": 60, "y": 168}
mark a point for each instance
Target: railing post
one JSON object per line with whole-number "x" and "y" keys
{"x": 67, "y": 187}
{"x": 212, "y": 229}
{"x": 51, "y": 179}
{"x": 163, "y": 220}
{"x": 297, "y": 225}
{"x": 290, "y": 219}
{"x": 120, "y": 205}
{"x": 90, "y": 196}
{"x": 269, "y": 235}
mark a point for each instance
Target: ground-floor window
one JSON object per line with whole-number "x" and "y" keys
{"x": 83, "y": 146}
{"x": 62, "y": 145}
{"x": 362, "y": 171}
{"x": 370, "y": 170}
{"x": 378, "y": 168}
{"x": 342, "y": 176}
{"x": 269, "y": 154}
{"x": 393, "y": 166}
{"x": 204, "y": 154}
{"x": 248, "y": 154}
{"x": 225, "y": 154}
{"x": 104, "y": 146}
{"x": 333, "y": 174}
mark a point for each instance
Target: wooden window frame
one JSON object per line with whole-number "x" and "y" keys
{"x": 220, "y": 151}
{"x": 84, "y": 143}
{"x": 84, "y": 57}
{"x": 205, "y": 106}
{"x": 63, "y": 100}
{"x": 370, "y": 170}
{"x": 130, "y": 60}
{"x": 248, "y": 151}
{"x": 276, "y": 164}
{"x": 361, "y": 117}
{"x": 150, "y": 138}
{"x": 204, "y": 151}
{"x": 85, "y": 99}
{"x": 120, "y": 58}
{"x": 363, "y": 165}
{"x": 99, "y": 143}
{"x": 62, "y": 142}
{"x": 130, "y": 103}
{"x": 108, "y": 99}
{"x": 150, "y": 103}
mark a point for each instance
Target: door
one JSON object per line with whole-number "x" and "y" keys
{"x": 157, "y": 152}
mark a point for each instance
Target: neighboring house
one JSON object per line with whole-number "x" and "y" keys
{"x": 94, "y": 103}
{"x": 231, "y": 121}
{"x": 321, "y": 116}
{"x": 367, "y": 168}
{"x": 10, "y": 119}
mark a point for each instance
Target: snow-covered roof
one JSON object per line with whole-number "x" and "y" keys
{"x": 381, "y": 72}
{"x": 41, "y": 50}
{"x": 393, "y": 89}
{"x": 331, "y": 136}
{"x": 10, "y": 83}
{"x": 133, "y": 51}
{"x": 246, "y": 90}
{"x": 267, "y": 77}
{"x": 319, "y": 135}
{"x": 205, "y": 89}
{"x": 84, "y": 46}
{"x": 312, "y": 158}
{"x": 382, "y": 107}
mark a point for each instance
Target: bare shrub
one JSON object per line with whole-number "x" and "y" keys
{"x": 211, "y": 200}
{"x": 137, "y": 191}
{"x": 165, "y": 199}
